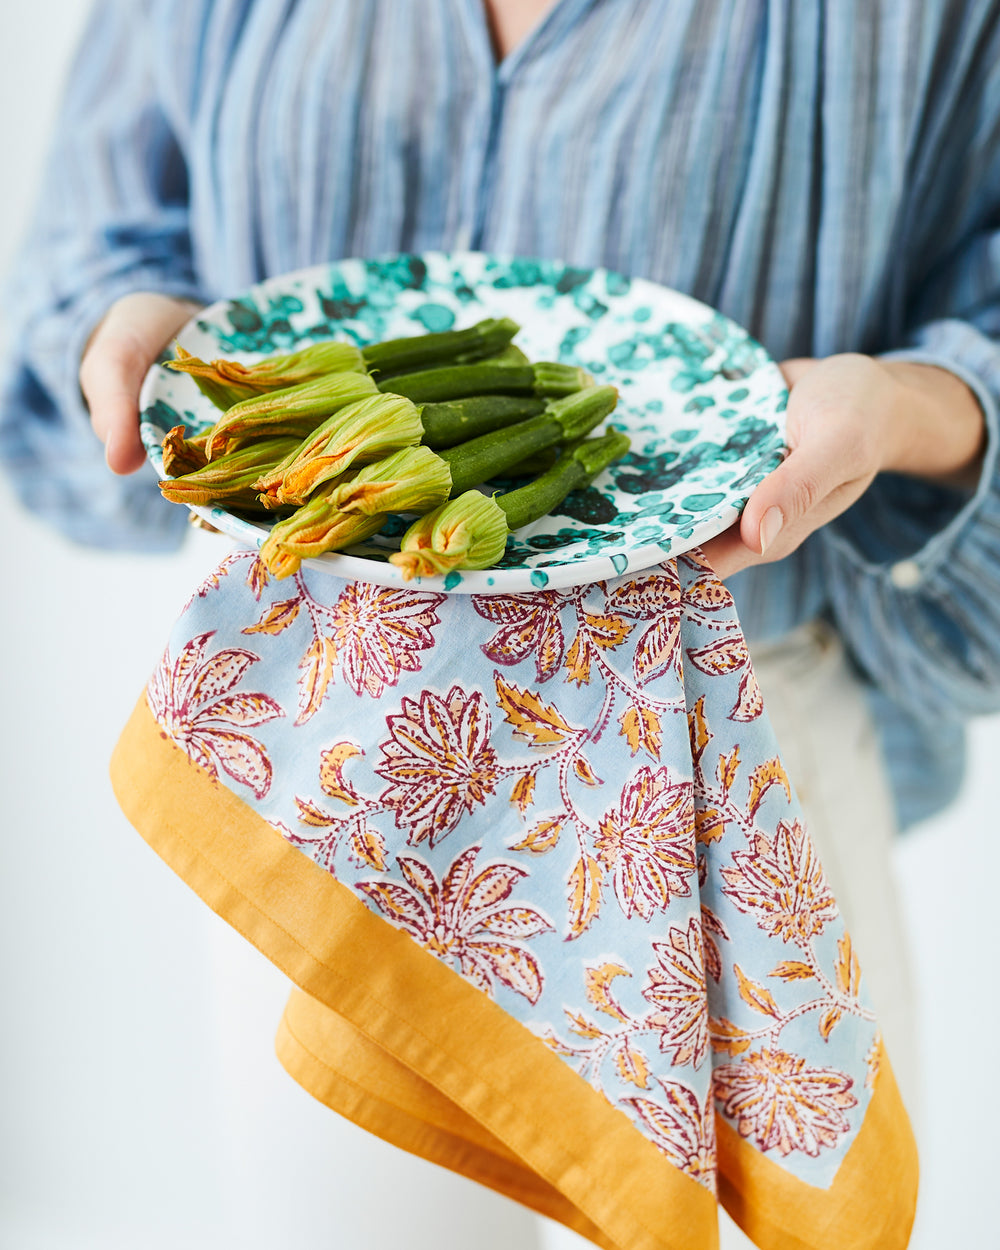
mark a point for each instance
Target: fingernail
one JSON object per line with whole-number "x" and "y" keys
{"x": 770, "y": 528}
{"x": 108, "y": 444}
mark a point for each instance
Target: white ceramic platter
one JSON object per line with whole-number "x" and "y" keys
{"x": 701, "y": 401}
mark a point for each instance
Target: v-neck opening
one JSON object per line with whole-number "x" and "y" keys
{"x": 503, "y": 67}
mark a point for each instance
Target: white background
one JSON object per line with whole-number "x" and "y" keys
{"x": 140, "y": 1103}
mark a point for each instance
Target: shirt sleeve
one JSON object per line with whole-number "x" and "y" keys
{"x": 112, "y": 218}
{"x": 912, "y": 571}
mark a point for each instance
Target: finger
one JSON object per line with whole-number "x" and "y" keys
{"x": 111, "y": 378}
{"x": 756, "y": 532}
{"x": 727, "y": 553}
{"x": 820, "y": 469}
{"x": 122, "y": 348}
{"x": 796, "y": 367}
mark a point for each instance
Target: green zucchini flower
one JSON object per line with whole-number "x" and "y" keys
{"x": 229, "y": 479}
{"x": 361, "y": 432}
{"x": 294, "y": 411}
{"x": 227, "y": 382}
{"x": 357, "y": 506}
{"x": 469, "y": 532}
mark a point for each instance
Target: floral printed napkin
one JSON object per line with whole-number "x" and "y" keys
{"x": 536, "y": 864}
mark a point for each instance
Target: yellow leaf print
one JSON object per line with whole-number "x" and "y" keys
{"x": 523, "y": 793}
{"x": 793, "y": 970}
{"x": 763, "y": 777}
{"x": 607, "y": 632}
{"x": 541, "y": 837}
{"x": 708, "y": 593}
{"x": 316, "y": 668}
{"x": 709, "y": 826}
{"x": 331, "y": 777}
{"x": 553, "y": 1043}
{"x": 310, "y": 814}
{"x": 728, "y": 766}
{"x": 258, "y": 577}
{"x": 749, "y": 702}
{"x": 659, "y": 650}
{"x": 534, "y": 721}
{"x": 694, "y": 559}
{"x": 586, "y": 774}
{"x": 828, "y": 1020}
{"x": 584, "y": 893}
{"x": 872, "y": 1059}
{"x": 848, "y": 969}
{"x": 721, "y": 657}
{"x": 756, "y": 996}
{"x": 278, "y": 617}
{"x": 368, "y": 847}
{"x": 632, "y": 1065}
{"x": 583, "y": 1027}
{"x": 728, "y": 1037}
{"x": 578, "y": 661}
{"x": 698, "y": 728}
{"x": 598, "y": 981}
{"x": 641, "y": 729}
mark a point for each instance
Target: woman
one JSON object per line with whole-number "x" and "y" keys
{"x": 828, "y": 179}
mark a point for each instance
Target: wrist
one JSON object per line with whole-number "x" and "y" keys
{"x": 937, "y": 430}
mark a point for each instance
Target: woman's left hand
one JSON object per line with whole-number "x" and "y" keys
{"x": 849, "y": 418}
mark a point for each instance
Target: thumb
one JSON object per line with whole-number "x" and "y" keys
{"x": 126, "y": 342}
{"x": 814, "y": 479}
{"x": 791, "y": 489}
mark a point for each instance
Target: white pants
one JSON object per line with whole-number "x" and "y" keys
{"x": 830, "y": 750}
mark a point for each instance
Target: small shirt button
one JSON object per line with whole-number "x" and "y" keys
{"x": 905, "y": 575}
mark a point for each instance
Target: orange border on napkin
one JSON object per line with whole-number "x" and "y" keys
{"x": 403, "y": 1046}
{"x": 353, "y": 1076}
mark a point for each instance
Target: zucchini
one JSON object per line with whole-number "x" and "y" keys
{"x": 511, "y": 355}
{"x": 563, "y": 420}
{"x": 446, "y": 424}
{"x": 471, "y": 532}
{"x": 574, "y": 470}
{"x": 485, "y": 338}
{"x": 386, "y": 423}
{"x": 433, "y": 386}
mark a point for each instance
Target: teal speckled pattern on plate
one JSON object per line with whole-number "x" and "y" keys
{"x": 701, "y": 401}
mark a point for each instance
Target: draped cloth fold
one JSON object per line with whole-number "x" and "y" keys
{"x": 540, "y": 875}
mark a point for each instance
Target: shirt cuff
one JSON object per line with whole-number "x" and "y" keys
{"x": 904, "y": 529}
{"x": 912, "y": 571}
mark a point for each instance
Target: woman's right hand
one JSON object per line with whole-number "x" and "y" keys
{"x": 127, "y": 340}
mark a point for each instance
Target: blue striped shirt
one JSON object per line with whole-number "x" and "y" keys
{"x": 827, "y": 174}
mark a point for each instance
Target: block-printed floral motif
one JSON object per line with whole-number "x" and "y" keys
{"x": 194, "y": 702}
{"x": 573, "y": 800}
